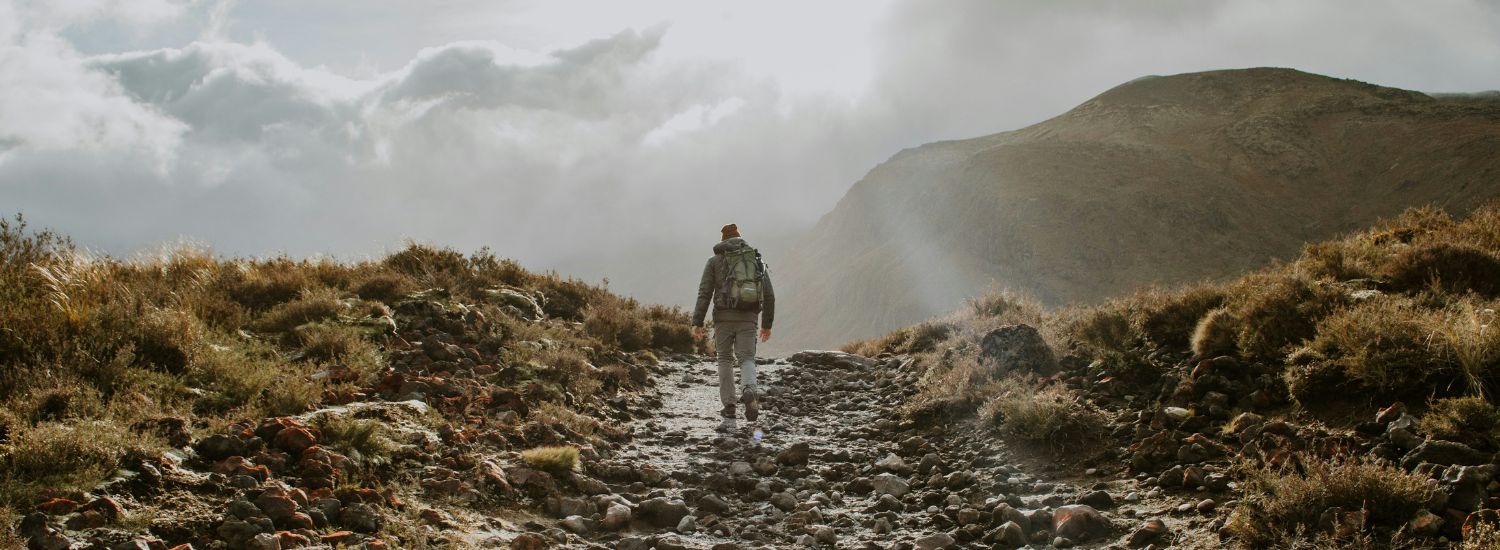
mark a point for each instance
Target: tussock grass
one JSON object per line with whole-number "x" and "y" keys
{"x": 1278, "y": 506}
{"x": 918, "y": 338}
{"x": 1049, "y": 414}
{"x": 312, "y": 306}
{"x": 1455, "y": 268}
{"x": 1470, "y": 420}
{"x": 1215, "y": 334}
{"x": 555, "y": 460}
{"x": 366, "y": 441}
{"x": 53, "y": 456}
{"x": 1386, "y": 344}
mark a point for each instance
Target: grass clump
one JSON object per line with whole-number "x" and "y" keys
{"x": 1279, "y": 506}
{"x": 53, "y": 456}
{"x": 1387, "y": 345}
{"x": 1168, "y": 319}
{"x": 366, "y": 441}
{"x": 1455, "y": 268}
{"x": 311, "y": 307}
{"x": 384, "y": 287}
{"x": 923, "y": 337}
{"x": 1471, "y": 420}
{"x": 1048, "y": 414}
{"x": 556, "y": 460}
{"x": 1215, "y": 334}
{"x": 1277, "y": 310}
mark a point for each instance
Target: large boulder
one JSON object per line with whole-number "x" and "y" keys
{"x": 1017, "y": 348}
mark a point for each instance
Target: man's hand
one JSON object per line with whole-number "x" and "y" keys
{"x": 698, "y": 333}
{"x": 765, "y": 334}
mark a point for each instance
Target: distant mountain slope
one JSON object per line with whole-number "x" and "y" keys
{"x": 1159, "y": 180}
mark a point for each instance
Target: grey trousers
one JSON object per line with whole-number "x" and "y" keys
{"x": 735, "y": 341}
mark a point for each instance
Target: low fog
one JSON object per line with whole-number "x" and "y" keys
{"x": 600, "y": 141}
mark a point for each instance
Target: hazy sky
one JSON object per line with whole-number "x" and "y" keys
{"x": 596, "y": 137}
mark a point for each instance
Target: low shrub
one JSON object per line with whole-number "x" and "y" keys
{"x": 1468, "y": 330}
{"x": 367, "y": 441}
{"x": 1451, "y": 267}
{"x": 1470, "y": 420}
{"x": 1276, "y": 310}
{"x": 384, "y": 287}
{"x": 1215, "y": 334}
{"x": 1106, "y": 328}
{"x": 1387, "y": 345}
{"x": 919, "y": 338}
{"x": 1168, "y": 319}
{"x": 1278, "y": 506}
{"x": 313, "y": 306}
{"x": 618, "y": 323}
{"x": 1050, "y": 414}
{"x": 58, "y": 456}
{"x": 556, "y": 460}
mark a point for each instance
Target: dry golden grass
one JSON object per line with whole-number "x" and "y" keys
{"x": 1215, "y": 334}
{"x": 1471, "y": 420}
{"x": 88, "y": 341}
{"x": 1049, "y": 415}
{"x": 1386, "y": 344}
{"x": 1279, "y": 506}
{"x": 558, "y": 460}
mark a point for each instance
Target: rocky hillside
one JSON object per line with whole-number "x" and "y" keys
{"x": 422, "y": 400}
{"x": 1159, "y": 180}
{"x": 1346, "y": 399}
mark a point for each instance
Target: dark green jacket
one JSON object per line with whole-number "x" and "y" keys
{"x": 714, "y": 273}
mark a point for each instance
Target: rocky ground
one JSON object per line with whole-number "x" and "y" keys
{"x": 837, "y": 469}
{"x": 430, "y": 456}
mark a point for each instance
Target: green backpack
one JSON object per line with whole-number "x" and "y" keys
{"x": 741, "y": 287}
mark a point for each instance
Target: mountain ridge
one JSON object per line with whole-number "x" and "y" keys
{"x": 1161, "y": 180}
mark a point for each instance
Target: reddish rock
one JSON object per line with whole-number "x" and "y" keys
{"x": 269, "y": 427}
{"x": 292, "y": 540}
{"x": 276, "y": 504}
{"x": 294, "y": 440}
{"x": 528, "y": 541}
{"x": 57, "y": 507}
{"x": 107, "y": 507}
{"x": 338, "y": 538}
{"x": 88, "y": 519}
{"x": 239, "y": 465}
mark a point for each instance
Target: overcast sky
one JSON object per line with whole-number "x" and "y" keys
{"x": 596, "y": 137}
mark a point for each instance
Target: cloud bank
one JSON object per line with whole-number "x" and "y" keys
{"x": 128, "y": 124}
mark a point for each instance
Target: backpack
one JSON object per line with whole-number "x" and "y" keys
{"x": 740, "y": 288}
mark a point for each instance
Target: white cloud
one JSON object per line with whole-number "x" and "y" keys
{"x": 565, "y": 133}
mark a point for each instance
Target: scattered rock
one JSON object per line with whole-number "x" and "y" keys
{"x": 1080, "y": 523}
{"x": 662, "y": 512}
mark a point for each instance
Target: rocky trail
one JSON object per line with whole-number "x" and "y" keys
{"x": 837, "y": 469}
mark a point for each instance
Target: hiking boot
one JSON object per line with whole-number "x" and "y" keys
{"x": 728, "y": 411}
{"x": 752, "y": 406}
{"x": 728, "y": 425}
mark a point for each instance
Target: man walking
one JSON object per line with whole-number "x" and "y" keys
{"x": 737, "y": 283}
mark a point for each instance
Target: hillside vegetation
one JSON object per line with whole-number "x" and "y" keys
{"x": 1349, "y": 395}
{"x": 112, "y": 370}
{"x": 1158, "y": 181}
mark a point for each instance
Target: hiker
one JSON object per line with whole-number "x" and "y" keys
{"x": 736, "y": 281}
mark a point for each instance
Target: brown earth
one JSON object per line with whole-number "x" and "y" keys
{"x": 1161, "y": 180}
